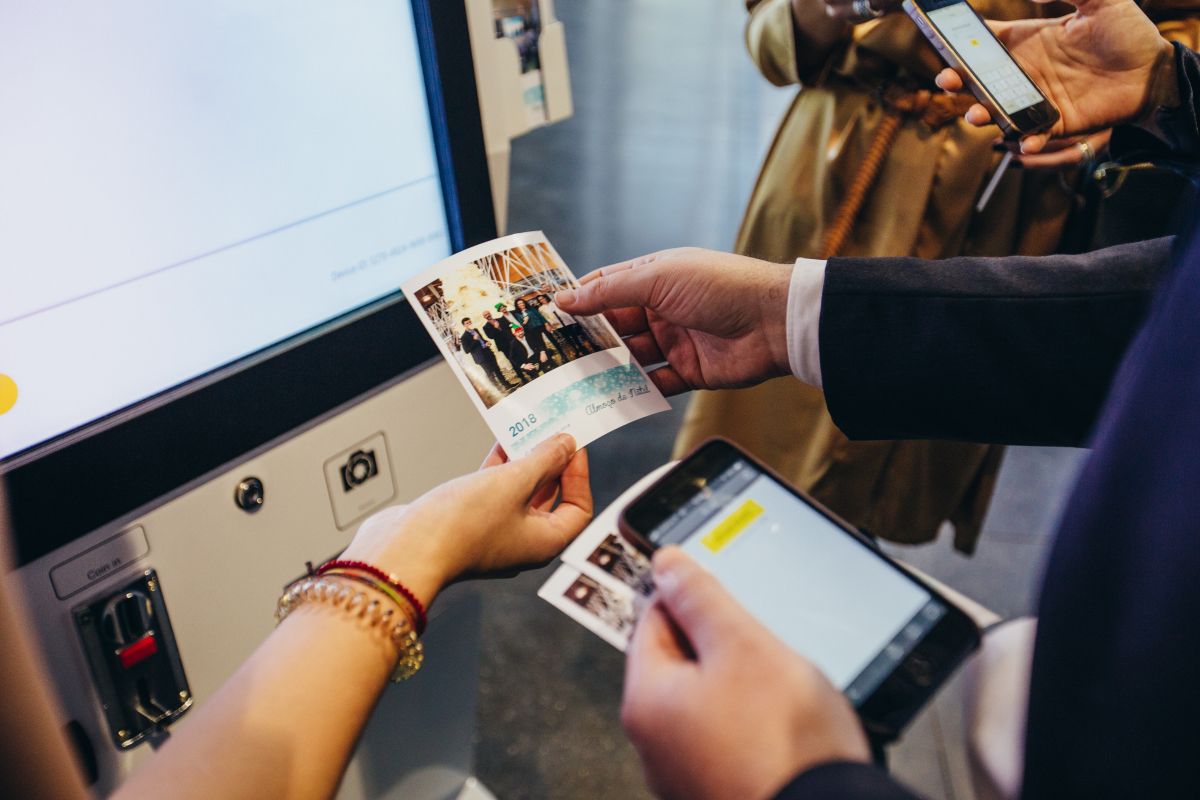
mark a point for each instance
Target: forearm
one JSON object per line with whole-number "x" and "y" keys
{"x": 285, "y": 724}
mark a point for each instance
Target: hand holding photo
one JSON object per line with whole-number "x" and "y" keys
{"x": 531, "y": 369}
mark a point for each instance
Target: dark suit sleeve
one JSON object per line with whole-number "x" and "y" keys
{"x": 1014, "y": 350}
{"x": 1173, "y": 134}
{"x": 845, "y": 781}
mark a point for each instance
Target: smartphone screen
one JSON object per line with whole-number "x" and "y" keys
{"x": 826, "y": 593}
{"x": 983, "y": 54}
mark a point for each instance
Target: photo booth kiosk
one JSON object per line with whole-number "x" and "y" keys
{"x": 206, "y": 211}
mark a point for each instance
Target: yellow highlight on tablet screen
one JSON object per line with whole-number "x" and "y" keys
{"x": 734, "y": 524}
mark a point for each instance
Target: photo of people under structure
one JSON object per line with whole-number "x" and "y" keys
{"x": 498, "y": 317}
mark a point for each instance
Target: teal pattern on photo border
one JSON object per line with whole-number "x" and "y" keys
{"x": 574, "y": 399}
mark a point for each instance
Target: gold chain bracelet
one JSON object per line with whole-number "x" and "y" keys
{"x": 393, "y": 619}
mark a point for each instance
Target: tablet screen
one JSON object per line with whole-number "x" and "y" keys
{"x": 825, "y": 593}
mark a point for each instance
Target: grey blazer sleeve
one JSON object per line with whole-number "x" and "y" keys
{"x": 1016, "y": 350}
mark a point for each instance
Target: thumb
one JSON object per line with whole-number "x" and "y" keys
{"x": 545, "y": 462}
{"x": 621, "y": 288}
{"x": 710, "y": 618}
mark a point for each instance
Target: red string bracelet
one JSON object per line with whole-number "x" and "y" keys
{"x": 372, "y": 570}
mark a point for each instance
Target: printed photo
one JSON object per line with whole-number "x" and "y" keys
{"x": 532, "y": 369}
{"x": 618, "y": 559}
{"x": 497, "y": 315}
{"x": 609, "y": 614}
{"x": 603, "y": 554}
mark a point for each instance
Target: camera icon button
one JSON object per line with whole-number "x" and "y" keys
{"x": 359, "y": 480}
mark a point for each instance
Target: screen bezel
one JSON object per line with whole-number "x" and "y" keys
{"x": 86, "y": 478}
{"x": 1030, "y": 119}
{"x": 902, "y": 694}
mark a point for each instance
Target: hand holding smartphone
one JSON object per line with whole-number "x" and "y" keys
{"x": 967, "y": 44}
{"x": 881, "y": 636}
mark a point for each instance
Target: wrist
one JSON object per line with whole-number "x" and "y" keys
{"x": 773, "y": 310}
{"x": 1162, "y": 90}
{"x": 412, "y": 557}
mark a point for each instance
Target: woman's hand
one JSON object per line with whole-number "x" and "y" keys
{"x": 1097, "y": 65}
{"x": 719, "y": 321}
{"x": 501, "y": 518}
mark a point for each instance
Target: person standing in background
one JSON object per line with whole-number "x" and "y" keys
{"x": 535, "y": 327}
{"x": 526, "y": 360}
{"x": 564, "y": 326}
{"x": 500, "y": 332}
{"x": 474, "y": 345}
{"x": 872, "y": 159}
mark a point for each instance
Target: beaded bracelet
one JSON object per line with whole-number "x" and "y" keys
{"x": 391, "y": 580}
{"x": 333, "y": 590}
{"x": 375, "y": 583}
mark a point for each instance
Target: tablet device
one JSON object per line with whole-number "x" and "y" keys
{"x": 881, "y": 635}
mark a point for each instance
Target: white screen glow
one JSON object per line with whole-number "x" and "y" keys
{"x": 189, "y": 182}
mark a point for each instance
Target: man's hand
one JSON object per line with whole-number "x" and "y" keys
{"x": 719, "y": 321}
{"x": 1097, "y": 65}
{"x": 1072, "y": 152}
{"x": 716, "y": 706}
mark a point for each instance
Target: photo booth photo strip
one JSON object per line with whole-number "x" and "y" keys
{"x": 531, "y": 369}
{"x": 603, "y": 554}
{"x": 604, "y": 583}
{"x": 608, "y": 613}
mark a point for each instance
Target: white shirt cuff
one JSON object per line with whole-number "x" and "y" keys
{"x": 804, "y": 318}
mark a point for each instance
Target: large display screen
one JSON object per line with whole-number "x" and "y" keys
{"x": 825, "y": 594}
{"x": 986, "y": 57}
{"x": 188, "y": 183}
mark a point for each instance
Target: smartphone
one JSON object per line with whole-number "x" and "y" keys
{"x": 885, "y": 638}
{"x": 968, "y": 45}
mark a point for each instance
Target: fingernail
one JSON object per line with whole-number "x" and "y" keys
{"x": 565, "y": 296}
{"x": 665, "y": 579}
